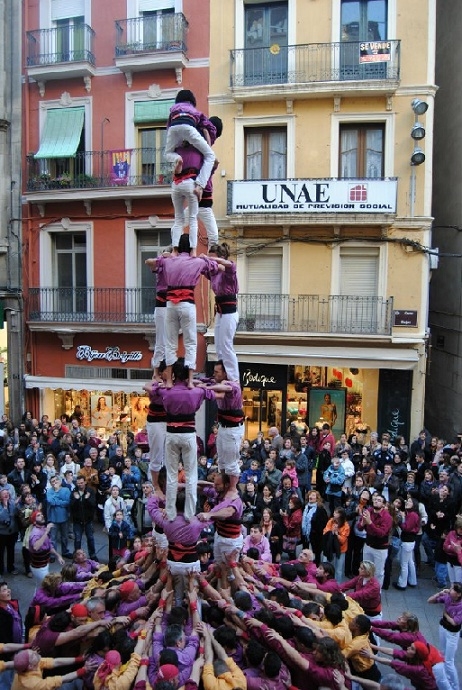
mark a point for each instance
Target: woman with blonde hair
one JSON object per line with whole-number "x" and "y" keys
{"x": 365, "y": 589}
{"x": 313, "y": 522}
{"x": 56, "y": 595}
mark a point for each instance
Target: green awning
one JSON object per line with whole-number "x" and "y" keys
{"x": 152, "y": 111}
{"x": 62, "y": 132}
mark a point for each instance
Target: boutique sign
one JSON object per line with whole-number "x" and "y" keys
{"x": 312, "y": 196}
{"x": 268, "y": 377}
{"x": 110, "y": 354}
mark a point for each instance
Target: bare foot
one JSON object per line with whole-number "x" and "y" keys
{"x": 169, "y": 384}
{"x": 191, "y": 385}
{"x": 178, "y": 167}
{"x": 193, "y": 252}
{"x": 198, "y": 191}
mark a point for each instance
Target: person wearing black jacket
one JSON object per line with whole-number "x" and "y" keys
{"x": 10, "y": 628}
{"x": 82, "y": 510}
{"x": 441, "y": 512}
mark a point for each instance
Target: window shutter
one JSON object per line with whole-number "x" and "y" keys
{"x": 264, "y": 272}
{"x": 359, "y": 271}
{"x": 155, "y": 5}
{"x": 66, "y": 9}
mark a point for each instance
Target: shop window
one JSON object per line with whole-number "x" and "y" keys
{"x": 362, "y": 150}
{"x": 70, "y": 273}
{"x": 266, "y": 153}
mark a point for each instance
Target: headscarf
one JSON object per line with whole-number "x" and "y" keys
{"x": 111, "y": 660}
{"x": 428, "y": 655}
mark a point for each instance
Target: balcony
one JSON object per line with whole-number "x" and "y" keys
{"x": 87, "y": 305}
{"x": 65, "y": 52}
{"x": 302, "y": 314}
{"x": 150, "y": 43}
{"x": 314, "y": 70}
{"x": 315, "y": 314}
{"x": 126, "y": 173}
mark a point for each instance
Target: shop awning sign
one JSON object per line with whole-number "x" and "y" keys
{"x": 312, "y": 196}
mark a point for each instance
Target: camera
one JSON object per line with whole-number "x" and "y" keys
{"x": 5, "y": 523}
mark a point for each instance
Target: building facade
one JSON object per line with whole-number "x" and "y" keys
{"x": 11, "y": 299}
{"x": 100, "y": 78}
{"x": 328, "y": 219}
{"x": 443, "y": 410}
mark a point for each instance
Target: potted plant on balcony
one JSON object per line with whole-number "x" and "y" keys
{"x": 250, "y": 321}
{"x": 64, "y": 181}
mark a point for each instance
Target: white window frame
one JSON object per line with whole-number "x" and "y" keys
{"x": 336, "y": 11}
{"x": 85, "y": 102}
{"x": 131, "y": 244}
{"x": 153, "y": 93}
{"x": 386, "y": 119}
{"x": 133, "y": 6}
{"x": 45, "y": 14}
{"x": 242, "y": 268}
{"x": 383, "y": 262}
{"x": 243, "y": 123}
{"x": 46, "y": 248}
{"x": 239, "y": 23}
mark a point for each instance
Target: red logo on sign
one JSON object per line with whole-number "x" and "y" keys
{"x": 358, "y": 192}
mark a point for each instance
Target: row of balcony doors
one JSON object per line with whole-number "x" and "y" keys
{"x": 266, "y": 27}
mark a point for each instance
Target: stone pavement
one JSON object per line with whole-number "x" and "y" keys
{"x": 394, "y": 602}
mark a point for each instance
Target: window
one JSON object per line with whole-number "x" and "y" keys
{"x": 151, "y": 243}
{"x": 357, "y": 309}
{"x": 263, "y": 303}
{"x": 265, "y": 154}
{"x": 70, "y": 40}
{"x": 265, "y": 57}
{"x": 152, "y": 165}
{"x": 362, "y": 20}
{"x": 70, "y": 272}
{"x": 362, "y": 150}
{"x": 158, "y": 29}
{"x": 62, "y": 146}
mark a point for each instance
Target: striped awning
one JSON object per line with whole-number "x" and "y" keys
{"x": 62, "y": 132}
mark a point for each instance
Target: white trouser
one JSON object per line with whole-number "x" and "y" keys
{"x": 454, "y": 573}
{"x": 225, "y": 329}
{"x": 448, "y": 647}
{"x": 224, "y": 546}
{"x": 229, "y": 440}
{"x": 407, "y": 564}
{"x": 181, "y": 447}
{"x": 378, "y": 558}
{"x": 160, "y": 314}
{"x": 176, "y": 134}
{"x": 181, "y": 192}
{"x": 181, "y": 315}
{"x": 40, "y": 573}
{"x": 207, "y": 218}
{"x": 156, "y": 440}
{"x": 442, "y": 681}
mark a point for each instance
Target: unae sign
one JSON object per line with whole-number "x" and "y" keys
{"x": 312, "y": 196}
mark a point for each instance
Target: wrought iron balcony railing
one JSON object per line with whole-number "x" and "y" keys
{"x": 96, "y": 169}
{"x": 70, "y": 43}
{"x": 315, "y": 63}
{"x": 329, "y": 314}
{"x": 151, "y": 34}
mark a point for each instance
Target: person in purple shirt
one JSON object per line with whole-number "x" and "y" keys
{"x": 182, "y": 273}
{"x": 156, "y": 426}
{"x": 256, "y": 540}
{"x": 181, "y": 404}
{"x": 225, "y": 288}
{"x": 403, "y": 632}
{"x": 450, "y": 627}
{"x": 160, "y": 312}
{"x": 182, "y": 535}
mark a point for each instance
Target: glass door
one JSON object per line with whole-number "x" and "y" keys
{"x": 265, "y": 55}
{"x": 362, "y": 21}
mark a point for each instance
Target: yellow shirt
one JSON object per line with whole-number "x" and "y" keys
{"x": 32, "y": 680}
{"x": 340, "y": 633}
{"x": 122, "y": 678}
{"x": 234, "y": 678}
{"x": 352, "y": 653}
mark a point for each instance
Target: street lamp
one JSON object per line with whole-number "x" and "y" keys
{"x": 419, "y": 107}
{"x": 418, "y": 156}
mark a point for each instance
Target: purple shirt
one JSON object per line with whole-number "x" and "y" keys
{"x": 186, "y": 657}
{"x": 263, "y": 548}
{"x": 185, "y": 270}
{"x": 388, "y": 631}
{"x": 262, "y": 681}
{"x": 236, "y": 503}
{"x": 187, "y": 109}
{"x": 232, "y": 399}
{"x": 67, "y": 593}
{"x": 126, "y": 607}
{"x": 181, "y": 400}
{"x": 225, "y": 282}
{"x": 452, "y": 608}
{"x": 177, "y": 530}
{"x": 86, "y": 569}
